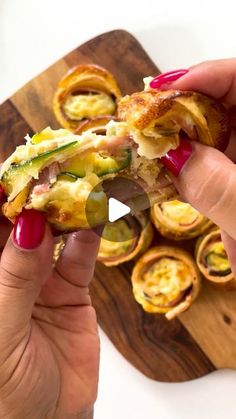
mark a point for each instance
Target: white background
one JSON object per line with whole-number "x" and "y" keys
{"x": 176, "y": 34}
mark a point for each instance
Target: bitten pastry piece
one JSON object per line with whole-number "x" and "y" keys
{"x": 166, "y": 280}
{"x": 178, "y": 220}
{"x": 125, "y": 239}
{"x": 86, "y": 92}
{"x": 157, "y": 120}
{"x": 212, "y": 259}
{"x": 56, "y": 171}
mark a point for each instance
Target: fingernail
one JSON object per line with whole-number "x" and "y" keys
{"x": 166, "y": 78}
{"x": 2, "y": 195}
{"x": 29, "y": 229}
{"x": 174, "y": 160}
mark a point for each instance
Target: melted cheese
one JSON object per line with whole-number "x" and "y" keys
{"x": 146, "y": 169}
{"x": 118, "y": 241}
{"x": 152, "y": 142}
{"x": 179, "y": 212}
{"x": 70, "y": 199}
{"x": 89, "y": 105}
{"x": 165, "y": 280}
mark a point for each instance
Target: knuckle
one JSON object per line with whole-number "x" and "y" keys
{"x": 19, "y": 268}
{"x": 84, "y": 237}
{"x": 214, "y": 194}
{"x": 13, "y": 280}
{"x": 76, "y": 263}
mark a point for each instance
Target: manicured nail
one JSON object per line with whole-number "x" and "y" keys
{"x": 166, "y": 78}
{"x": 29, "y": 229}
{"x": 2, "y": 195}
{"x": 174, "y": 160}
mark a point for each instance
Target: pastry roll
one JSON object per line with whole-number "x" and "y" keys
{"x": 212, "y": 259}
{"x": 86, "y": 91}
{"x": 179, "y": 220}
{"x": 166, "y": 280}
{"x": 56, "y": 171}
{"x": 157, "y": 120}
{"x": 124, "y": 239}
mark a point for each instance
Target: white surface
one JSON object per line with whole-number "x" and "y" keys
{"x": 116, "y": 209}
{"x": 177, "y": 34}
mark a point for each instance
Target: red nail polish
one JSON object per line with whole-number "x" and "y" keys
{"x": 29, "y": 229}
{"x": 167, "y": 78}
{"x": 174, "y": 160}
{"x": 2, "y": 195}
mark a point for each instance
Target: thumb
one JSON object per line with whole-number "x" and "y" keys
{"x": 26, "y": 263}
{"x": 206, "y": 179}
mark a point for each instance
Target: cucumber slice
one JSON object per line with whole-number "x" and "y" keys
{"x": 97, "y": 163}
{"x": 18, "y": 175}
{"x": 218, "y": 264}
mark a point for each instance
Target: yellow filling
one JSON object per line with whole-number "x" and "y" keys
{"x": 152, "y": 143}
{"x": 89, "y": 105}
{"x": 165, "y": 280}
{"x": 70, "y": 199}
{"x": 119, "y": 241}
{"x": 179, "y": 212}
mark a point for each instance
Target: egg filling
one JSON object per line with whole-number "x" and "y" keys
{"x": 118, "y": 240}
{"x": 179, "y": 213}
{"x": 90, "y": 105}
{"x": 165, "y": 282}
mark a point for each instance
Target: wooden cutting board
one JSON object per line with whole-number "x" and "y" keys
{"x": 199, "y": 341}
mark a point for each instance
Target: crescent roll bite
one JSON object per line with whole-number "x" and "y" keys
{"x": 85, "y": 92}
{"x": 157, "y": 120}
{"x": 56, "y": 171}
{"x": 179, "y": 220}
{"x": 166, "y": 280}
{"x": 212, "y": 259}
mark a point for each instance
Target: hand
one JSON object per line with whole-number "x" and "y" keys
{"x": 49, "y": 346}
{"x": 207, "y": 177}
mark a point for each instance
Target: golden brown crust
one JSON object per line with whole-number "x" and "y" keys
{"x": 88, "y": 77}
{"x": 11, "y": 209}
{"x": 142, "y": 243}
{"x": 149, "y": 258}
{"x": 178, "y": 232}
{"x": 201, "y": 244}
{"x": 140, "y": 110}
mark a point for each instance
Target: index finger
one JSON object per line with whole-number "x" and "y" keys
{"x": 215, "y": 78}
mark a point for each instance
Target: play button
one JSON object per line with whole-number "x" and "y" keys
{"x": 116, "y": 205}
{"x": 116, "y": 209}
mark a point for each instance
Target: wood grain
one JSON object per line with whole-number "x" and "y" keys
{"x": 212, "y": 323}
{"x": 34, "y": 100}
{"x": 162, "y": 350}
{"x": 203, "y": 338}
{"x": 13, "y": 129}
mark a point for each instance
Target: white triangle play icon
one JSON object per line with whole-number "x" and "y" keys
{"x": 116, "y": 209}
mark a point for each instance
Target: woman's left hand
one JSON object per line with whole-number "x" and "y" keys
{"x": 49, "y": 345}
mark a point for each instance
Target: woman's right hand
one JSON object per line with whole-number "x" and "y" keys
{"x": 206, "y": 177}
